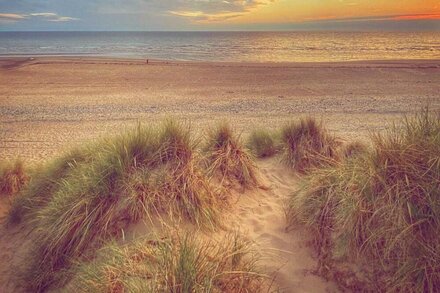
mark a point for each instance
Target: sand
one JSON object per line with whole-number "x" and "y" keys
{"x": 50, "y": 104}
{"x": 286, "y": 255}
{"x": 47, "y": 104}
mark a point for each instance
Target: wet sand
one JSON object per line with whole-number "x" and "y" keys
{"x": 50, "y": 103}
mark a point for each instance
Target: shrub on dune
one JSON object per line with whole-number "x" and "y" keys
{"x": 12, "y": 177}
{"x": 382, "y": 206}
{"x": 263, "y": 144}
{"x": 94, "y": 193}
{"x": 228, "y": 158}
{"x": 307, "y": 145}
{"x": 172, "y": 264}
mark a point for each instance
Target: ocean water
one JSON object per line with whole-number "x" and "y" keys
{"x": 227, "y": 46}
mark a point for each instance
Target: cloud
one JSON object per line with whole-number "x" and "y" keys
{"x": 200, "y": 16}
{"x": 375, "y": 18}
{"x": 44, "y": 14}
{"x": 197, "y": 11}
{"x": 417, "y": 17}
{"x": 50, "y": 16}
{"x": 47, "y": 16}
{"x": 348, "y": 3}
{"x": 213, "y": 10}
{"x": 63, "y": 19}
{"x": 11, "y": 17}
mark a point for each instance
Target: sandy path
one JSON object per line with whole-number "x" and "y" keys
{"x": 14, "y": 247}
{"x": 260, "y": 215}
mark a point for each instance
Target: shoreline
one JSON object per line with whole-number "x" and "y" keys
{"x": 86, "y": 58}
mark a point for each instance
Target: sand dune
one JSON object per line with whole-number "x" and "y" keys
{"x": 258, "y": 214}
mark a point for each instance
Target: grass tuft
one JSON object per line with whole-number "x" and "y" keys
{"x": 13, "y": 177}
{"x": 94, "y": 193}
{"x": 44, "y": 182}
{"x": 353, "y": 149}
{"x": 307, "y": 145}
{"x": 228, "y": 158}
{"x": 381, "y": 208}
{"x": 173, "y": 264}
{"x": 263, "y": 143}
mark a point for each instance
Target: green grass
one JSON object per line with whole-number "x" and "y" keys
{"x": 263, "y": 143}
{"x": 44, "y": 182}
{"x": 381, "y": 208}
{"x": 182, "y": 263}
{"x": 228, "y": 159}
{"x": 13, "y": 177}
{"x": 308, "y": 145}
{"x": 94, "y": 193}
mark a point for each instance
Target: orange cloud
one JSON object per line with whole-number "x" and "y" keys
{"x": 332, "y": 18}
{"x": 417, "y": 17}
{"x": 11, "y": 16}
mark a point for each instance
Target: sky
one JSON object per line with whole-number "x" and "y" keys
{"x": 177, "y": 15}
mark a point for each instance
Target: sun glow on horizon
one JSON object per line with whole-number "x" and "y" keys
{"x": 293, "y": 11}
{"x": 221, "y": 15}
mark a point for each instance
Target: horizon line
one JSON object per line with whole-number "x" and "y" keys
{"x": 234, "y": 30}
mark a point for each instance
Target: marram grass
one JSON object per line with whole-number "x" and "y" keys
{"x": 353, "y": 148}
{"x": 381, "y": 207}
{"x": 182, "y": 263}
{"x": 94, "y": 193}
{"x": 13, "y": 177}
{"x": 307, "y": 145}
{"x": 264, "y": 144}
{"x": 228, "y": 159}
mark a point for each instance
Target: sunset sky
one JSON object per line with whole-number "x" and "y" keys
{"x": 219, "y": 15}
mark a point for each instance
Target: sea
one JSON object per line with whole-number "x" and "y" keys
{"x": 227, "y": 46}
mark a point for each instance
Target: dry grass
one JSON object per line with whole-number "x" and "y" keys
{"x": 307, "y": 145}
{"x": 44, "y": 183}
{"x": 94, "y": 193}
{"x": 173, "y": 264}
{"x": 263, "y": 143}
{"x": 13, "y": 177}
{"x": 354, "y": 148}
{"x": 381, "y": 208}
{"x": 228, "y": 159}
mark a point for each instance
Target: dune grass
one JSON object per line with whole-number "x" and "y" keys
{"x": 173, "y": 264}
{"x": 13, "y": 177}
{"x": 381, "y": 208}
{"x": 263, "y": 143}
{"x": 44, "y": 182}
{"x": 354, "y": 148}
{"x": 228, "y": 159}
{"x": 94, "y": 193}
{"x": 308, "y": 145}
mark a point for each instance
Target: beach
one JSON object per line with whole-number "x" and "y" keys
{"x": 48, "y": 104}
{"x": 51, "y": 104}
{"x": 220, "y": 146}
